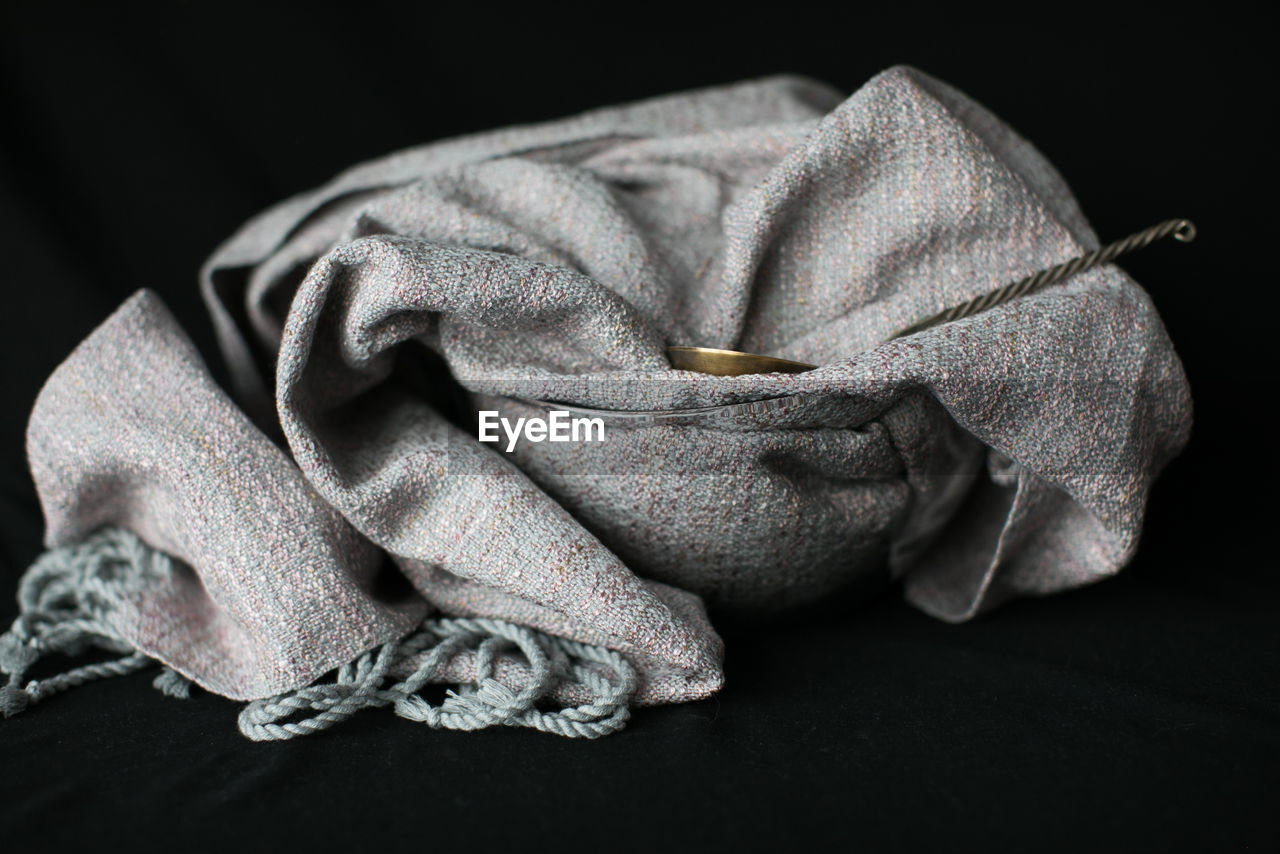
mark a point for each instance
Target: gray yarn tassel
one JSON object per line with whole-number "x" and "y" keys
{"x": 62, "y": 599}
{"x": 608, "y": 676}
{"x": 171, "y": 683}
{"x": 65, "y": 608}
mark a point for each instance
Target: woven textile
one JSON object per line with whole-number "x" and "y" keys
{"x": 366, "y": 323}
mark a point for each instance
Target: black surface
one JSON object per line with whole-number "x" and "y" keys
{"x": 1140, "y": 714}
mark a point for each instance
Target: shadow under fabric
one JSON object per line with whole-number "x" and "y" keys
{"x": 1003, "y": 454}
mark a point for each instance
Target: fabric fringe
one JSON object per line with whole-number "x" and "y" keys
{"x": 486, "y": 702}
{"x": 66, "y": 596}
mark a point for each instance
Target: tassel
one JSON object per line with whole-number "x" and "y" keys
{"x": 13, "y": 700}
{"x": 607, "y": 676}
{"x": 59, "y": 614}
{"x": 171, "y": 683}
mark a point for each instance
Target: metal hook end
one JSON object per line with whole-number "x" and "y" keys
{"x": 1185, "y": 231}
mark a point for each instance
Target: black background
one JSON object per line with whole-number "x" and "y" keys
{"x": 1140, "y": 714}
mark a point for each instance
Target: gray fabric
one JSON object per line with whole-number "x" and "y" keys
{"x": 1007, "y": 453}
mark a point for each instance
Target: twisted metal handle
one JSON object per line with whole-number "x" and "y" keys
{"x": 1181, "y": 229}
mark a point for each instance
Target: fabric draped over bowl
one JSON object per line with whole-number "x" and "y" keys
{"x": 1009, "y": 453}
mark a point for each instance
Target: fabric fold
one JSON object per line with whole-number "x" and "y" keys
{"x": 132, "y": 432}
{"x": 813, "y": 237}
{"x": 547, "y": 268}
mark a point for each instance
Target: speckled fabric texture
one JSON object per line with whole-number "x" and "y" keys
{"x": 366, "y": 323}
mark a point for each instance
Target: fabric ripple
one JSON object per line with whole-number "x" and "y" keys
{"x": 368, "y": 321}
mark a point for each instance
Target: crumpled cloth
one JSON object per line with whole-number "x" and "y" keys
{"x": 365, "y": 323}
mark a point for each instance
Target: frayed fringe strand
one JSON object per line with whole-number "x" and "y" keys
{"x": 66, "y": 598}
{"x": 605, "y": 674}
